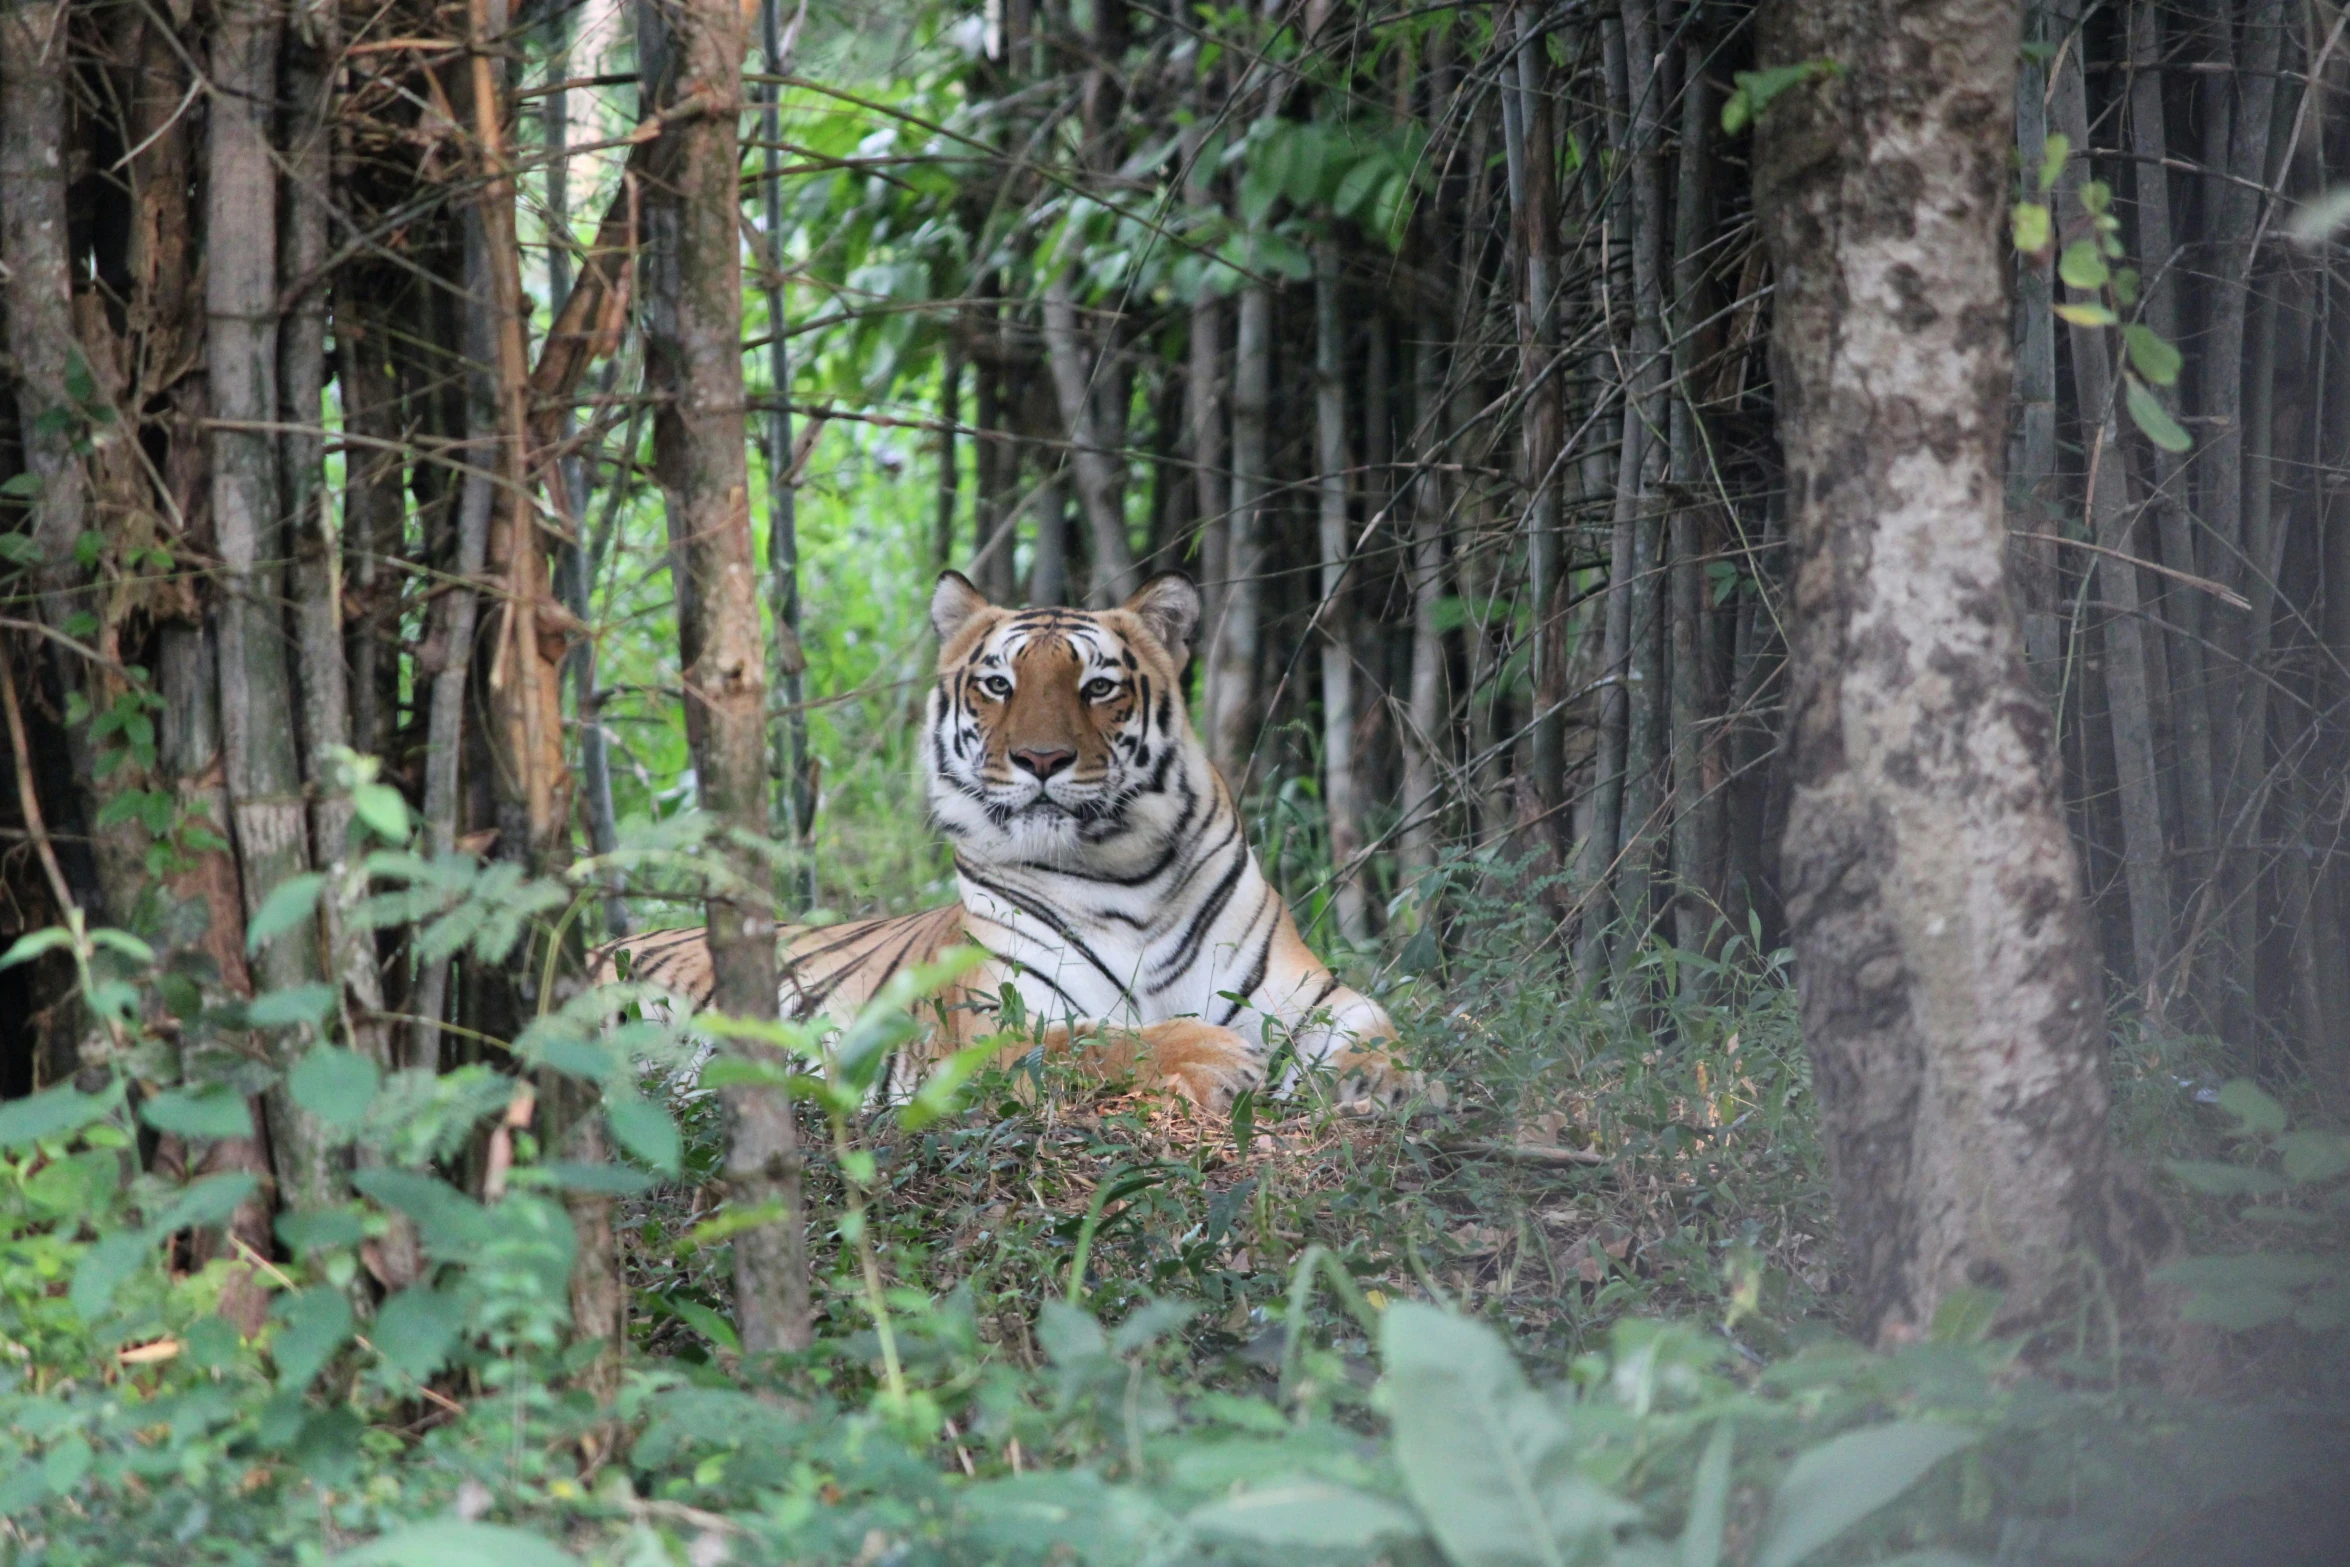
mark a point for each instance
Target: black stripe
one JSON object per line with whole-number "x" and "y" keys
{"x": 1256, "y": 975}
{"x": 1187, "y": 950}
{"x": 1040, "y": 976}
{"x": 1053, "y": 921}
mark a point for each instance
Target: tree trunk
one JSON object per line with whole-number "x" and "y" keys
{"x": 950, "y": 472}
{"x": 1204, "y": 418}
{"x": 1339, "y": 804}
{"x": 59, "y": 369}
{"x": 2034, "y": 505}
{"x": 1428, "y": 723}
{"x": 1535, "y": 223}
{"x": 692, "y": 271}
{"x": 2113, "y": 511}
{"x": 1949, "y": 983}
{"x": 795, "y": 795}
{"x": 2234, "y": 201}
{"x": 1048, "y": 558}
{"x": 1232, "y": 655}
{"x": 1645, "y": 746}
{"x": 1094, "y": 460}
{"x": 265, "y": 783}
{"x": 2189, "y": 698}
{"x": 1696, "y": 809}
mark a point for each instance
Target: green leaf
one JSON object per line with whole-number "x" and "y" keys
{"x": 2086, "y": 315}
{"x": 1965, "y": 1315}
{"x": 289, "y": 903}
{"x": 2053, "y": 153}
{"x": 335, "y": 1085}
{"x": 2153, "y": 358}
{"x": 417, "y": 1328}
{"x": 448, "y": 1218}
{"x": 2312, "y": 1157}
{"x": 708, "y": 1323}
{"x": 2081, "y": 266}
{"x": 32, "y": 944}
{"x": 733, "y": 1221}
{"x": 383, "y": 809}
{"x": 940, "y": 1093}
{"x": 207, "y": 1113}
{"x": 2248, "y": 1103}
{"x": 205, "y": 1203}
{"x": 614, "y": 1180}
{"x": 103, "y": 1269}
{"x": 292, "y": 1006}
{"x": 644, "y": 1129}
{"x": 2032, "y": 227}
{"x": 2224, "y": 1180}
{"x": 2152, "y": 418}
{"x": 1361, "y": 183}
{"x": 743, "y": 1071}
{"x": 2052, "y": 156}
{"x": 318, "y": 1322}
{"x": 1756, "y": 89}
{"x": 65, "y": 1465}
{"x": 2268, "y": 1269}
{"x": 124, "y": 942}
{"x": 1488, "y": 1461}
{"x": 321, "y": 1229}
{"x": 450, "y": 1543}
{"x": 1709, "y": 1504}
{"x": 1843, "y": 1480}
{"x": 20, "y": 486}
{"x": 49, "y": 1113}
{"x": 1304, "y": 1515}
{"x": 2239, "y": 1309}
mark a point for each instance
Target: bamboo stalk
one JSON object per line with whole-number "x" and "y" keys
{"x": 693, "y": 334}
{"x": 1339, "y": 805}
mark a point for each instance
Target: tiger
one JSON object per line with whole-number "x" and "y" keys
{"x": 1104, "y": 876}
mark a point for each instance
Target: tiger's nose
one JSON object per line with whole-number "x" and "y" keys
{"x": 1043, "y": 762}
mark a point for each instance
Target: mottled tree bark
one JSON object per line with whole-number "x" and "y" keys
{"x": 2034, "y": 508}
{"x": 265, "y": 783}
{"x": 1949, "y": 983}
{"x": 64, "y": 352}
{"x": 693, "y": 365}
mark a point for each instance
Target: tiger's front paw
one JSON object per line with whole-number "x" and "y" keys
{"x": 1209, "y": 1065}
{"x": 1371, "y": 1078}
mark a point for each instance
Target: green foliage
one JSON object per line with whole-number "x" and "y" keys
{"x": 2296, "y": 1179}
{"x": 1756, "y": 90}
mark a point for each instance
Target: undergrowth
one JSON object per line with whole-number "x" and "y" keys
{"x": 1580, "y": 1311}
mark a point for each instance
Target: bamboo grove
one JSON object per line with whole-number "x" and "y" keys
{"x": 1433, "y": 341}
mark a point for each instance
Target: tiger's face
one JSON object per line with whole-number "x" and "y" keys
{"x": 1056, "y": 731}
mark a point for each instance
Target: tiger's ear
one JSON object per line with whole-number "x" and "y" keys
{"x": 1168, "y": 606}
{"x": 952, "y": 604}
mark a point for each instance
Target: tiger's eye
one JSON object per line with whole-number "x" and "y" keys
{"x": 996, "y": 686}
{"x": 1098, "y": 688}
